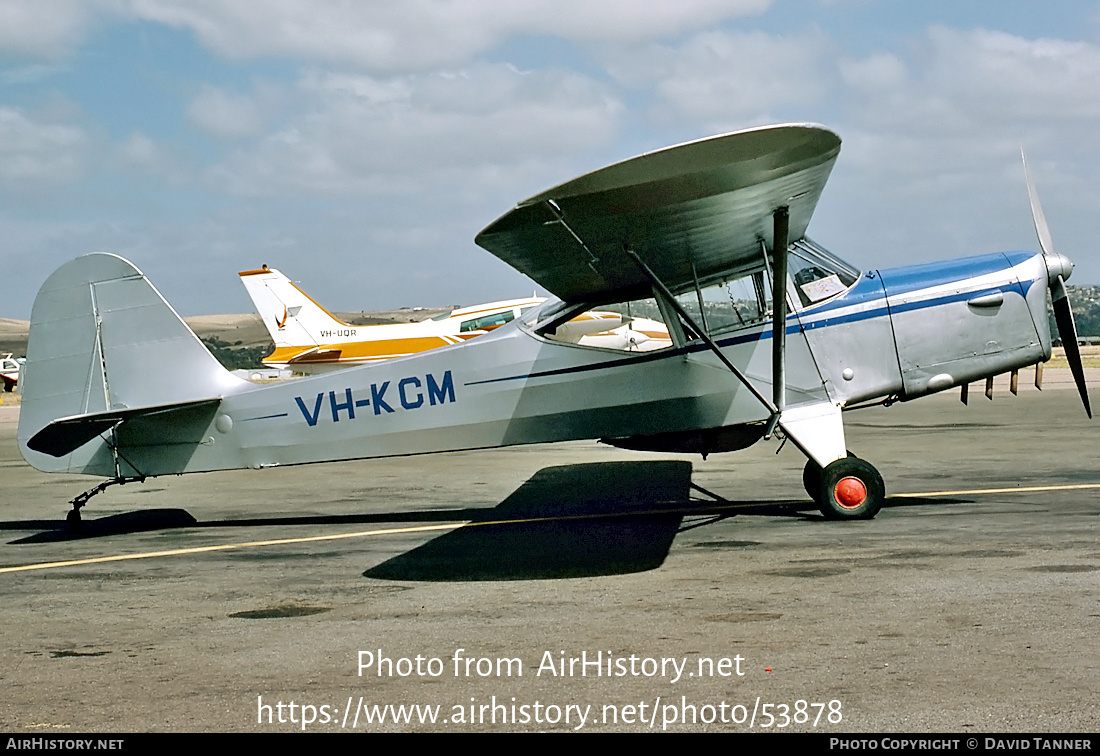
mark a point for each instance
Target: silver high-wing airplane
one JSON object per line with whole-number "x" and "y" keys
{"x": 771, "y": 335}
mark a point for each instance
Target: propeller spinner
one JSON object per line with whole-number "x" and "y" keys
{"x": 1059, "y": 268}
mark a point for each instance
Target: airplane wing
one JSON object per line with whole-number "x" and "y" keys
{"x": 315, "y": 354}
{"x": 693, "y": 211}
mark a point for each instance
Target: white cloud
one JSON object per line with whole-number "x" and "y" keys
{"x": 141, "y": 152}
{"x": 878, "y": 74}
{"x": 38, "y": 151}
{"x": 357, "y": 134}
{"x": 31, "y": 74}
{"x": 419, "y": 35}
{"x": 411, "y": 36}
{"x": 997, "y": 75}
{"x": 966, "y": 81}
{"x": 228, "y": 116}
{"x": 933, "y": 131}
{"x": 940, "y": 132}
{"x": 47, "y": 28}
{"x": 397, "y": 137}
{"x": 723, "y": 79}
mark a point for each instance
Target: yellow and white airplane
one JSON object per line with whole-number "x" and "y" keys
{"x": 310, "y": 339}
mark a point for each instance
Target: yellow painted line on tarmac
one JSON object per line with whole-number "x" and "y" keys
{"x": 227, "y": 547}
{"x": 979, "y": 491}
{"x": 286, "y": 541}
{"x": 313, "y": 539}
{"x": 454, "y": 525}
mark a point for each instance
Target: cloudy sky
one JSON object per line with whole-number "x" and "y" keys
{"x": 359, "y": 146}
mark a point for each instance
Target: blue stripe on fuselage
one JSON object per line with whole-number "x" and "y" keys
{"x": 870, "y": 288}
{"x": 899, "y": 281}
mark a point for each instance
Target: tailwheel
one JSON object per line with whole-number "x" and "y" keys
{"x": 849, "y": 489}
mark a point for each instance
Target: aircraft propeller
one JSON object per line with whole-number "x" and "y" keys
{"x": 1059, "y": 268}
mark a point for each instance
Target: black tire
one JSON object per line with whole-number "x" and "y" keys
{"x": 850, "y": 489}
{"x": 811, "y": 479}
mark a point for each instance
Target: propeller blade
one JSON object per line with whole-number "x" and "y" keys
{"x": 1059, "y": 268}
{"x": 1057, "y": 265}
{"x": 1042, "y": 230}
{"x": 1067, "y": 331}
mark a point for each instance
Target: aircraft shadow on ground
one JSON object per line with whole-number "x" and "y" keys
{"x": 144, "y": 520}
{"x": 568, "y": 521}
{"x": 600, "y": 518}
{"x": 580, "y": 520}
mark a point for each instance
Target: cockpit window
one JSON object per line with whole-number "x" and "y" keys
{"x": 816, "y": 274}
{"x": 734, "y": 300}
{"x": 731, "y": 304}
{"x": 487, "y": 322}
{"x": 634, "y": 326}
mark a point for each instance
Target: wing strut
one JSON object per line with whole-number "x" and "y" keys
{"x": 781, "y": 218}
{"x": 556, "y": 210}
{"x": 773, "y": 418}
{"x": 781, "y": 230}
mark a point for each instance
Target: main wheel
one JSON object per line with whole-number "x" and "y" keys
{"x": 811, "y": 478}
{"x": 850, "y": 489}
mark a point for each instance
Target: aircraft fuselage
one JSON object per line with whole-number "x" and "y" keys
{"x": 898, "y": 333}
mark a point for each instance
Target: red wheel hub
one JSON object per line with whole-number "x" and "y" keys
{"x": 850, "y": 492}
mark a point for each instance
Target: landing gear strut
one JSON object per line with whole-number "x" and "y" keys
{"x": 73, "y": 517}
{"x": 847, "y": 489}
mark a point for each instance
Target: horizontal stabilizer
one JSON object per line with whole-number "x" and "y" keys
{"x": 68, "y": 434}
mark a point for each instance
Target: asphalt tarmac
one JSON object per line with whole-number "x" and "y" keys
{"x": 703, "y": 595}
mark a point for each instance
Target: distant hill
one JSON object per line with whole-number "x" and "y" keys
{"x": 238, "y": 341}
{"x": 1085, "y": 303}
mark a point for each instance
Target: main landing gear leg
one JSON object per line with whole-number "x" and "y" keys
{"x": 847, "y": 489}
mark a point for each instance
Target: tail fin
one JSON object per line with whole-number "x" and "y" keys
{"x": 105, "y": 348}
{"x": 292, "y": 318}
